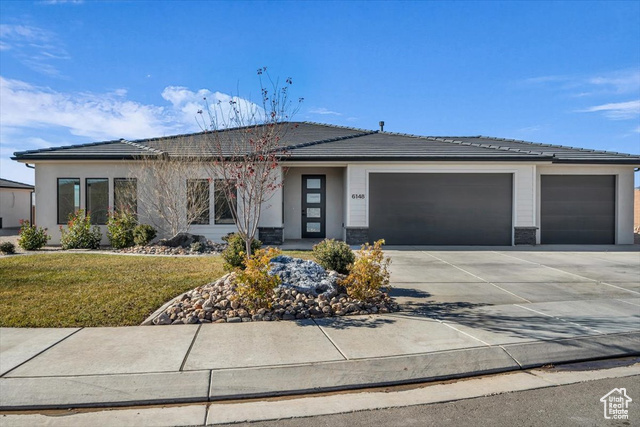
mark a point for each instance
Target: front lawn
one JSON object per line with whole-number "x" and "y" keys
{"x": 65, "y": 290}
{"x": 70, "y": 290}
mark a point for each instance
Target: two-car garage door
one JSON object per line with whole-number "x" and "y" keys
{"x": 441, "y": 208}
{"x": 476, "y": 208}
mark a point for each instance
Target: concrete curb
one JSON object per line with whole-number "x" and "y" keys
{"x": 21, "y": 393}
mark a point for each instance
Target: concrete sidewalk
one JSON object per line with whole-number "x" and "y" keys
{"x": 464, "y": 314}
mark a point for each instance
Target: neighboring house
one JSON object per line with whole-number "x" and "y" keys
{"x": 15, "y": 203}
{"x": 361, "y": 185}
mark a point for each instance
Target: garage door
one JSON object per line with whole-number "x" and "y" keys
{"x": 440, "y": 209}
{"x": 577, "y": 209}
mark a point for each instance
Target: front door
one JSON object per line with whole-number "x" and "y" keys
{"x": 313, "y": 206}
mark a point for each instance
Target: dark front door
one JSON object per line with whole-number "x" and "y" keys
{"x": 313, "y": 206}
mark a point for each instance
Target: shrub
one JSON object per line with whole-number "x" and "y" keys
{"x": 369, "y": 273}
{"x": 255, "y": 285}
{"x": 31, "y": 237}
{"x": 334, "y": 255}
{"x": 197, "y": 247}
{"x": 7, "y": 248}
{"x": 120, "y": 226}
{"x": 234, "y": 254}
{"x": 143, "y": 234}
{"x": 79, "y": 233}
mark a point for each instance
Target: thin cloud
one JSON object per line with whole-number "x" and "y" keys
{"x": 324, "y": 111}
{"x": 53, "y": 2}
{"x": 618, "y": 82}
{"x": 616, "y": 110}
{"x": 34, "y": 47}
{"x": 103, "y": 116}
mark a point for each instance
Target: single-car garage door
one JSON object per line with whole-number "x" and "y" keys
{"x": 440, "y": 208}
{"x": 577, "y": 209}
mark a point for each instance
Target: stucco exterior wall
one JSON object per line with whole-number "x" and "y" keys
{"x": 624, "y": 193}
{"x": 524, "y": 213}
{"x": 47, "y": 174}
{"x": 15, "y": 204}
{"x": 293, "y": 200}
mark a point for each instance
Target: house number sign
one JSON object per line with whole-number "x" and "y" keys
{"x": 357, "y": 196}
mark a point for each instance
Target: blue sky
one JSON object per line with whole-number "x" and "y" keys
{"x": 556, "y": 72}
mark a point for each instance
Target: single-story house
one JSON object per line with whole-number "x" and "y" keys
{"x": 15, "y": 203}
{"x": 362, "y": 185}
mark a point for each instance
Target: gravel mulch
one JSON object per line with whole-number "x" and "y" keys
{"x": 215, "y": 303}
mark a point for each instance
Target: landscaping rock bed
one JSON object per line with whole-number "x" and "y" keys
{"x": 180, "y": 244}
{"x": 212, "y": 248}
{"x": 299, "y": 297}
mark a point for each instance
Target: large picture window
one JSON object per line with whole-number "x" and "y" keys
{"x": 198, "y": 201}
{"x": 125, "y": 195}
{"x": 68, "y": 198}
{"x": 224, "y": 214}
{"x": 98, "y": 199}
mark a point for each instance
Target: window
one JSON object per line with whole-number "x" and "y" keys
{"x": 224, "y": 214}
{"x": 68, "y": 198}
{"x": 125, "y": 195}
{"x": 198, "y": 201}
{"x": 98, "y": 199}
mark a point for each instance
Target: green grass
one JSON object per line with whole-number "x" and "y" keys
{"x": 67, "y": 290}
{"x": 72, "y": 290}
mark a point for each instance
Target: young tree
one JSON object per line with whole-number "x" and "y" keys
{"x": 172, "y": 194}
{"x": 247, "y": 144}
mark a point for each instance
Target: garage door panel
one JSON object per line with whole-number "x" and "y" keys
{"x": 577, "y": 209}
{"x": 441, "y": 209}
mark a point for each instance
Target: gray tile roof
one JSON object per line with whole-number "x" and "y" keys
{"x": 7, "y": 183}
{"x": 305, "y": 141}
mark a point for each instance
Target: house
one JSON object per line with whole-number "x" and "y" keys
{"x": 15, "y": 203}
{"x": 362, "y": 185}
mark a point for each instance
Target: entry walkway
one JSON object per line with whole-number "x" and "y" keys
{"x": 464, "y": 313}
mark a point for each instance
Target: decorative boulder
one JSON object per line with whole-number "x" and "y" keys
{"x": 183, "y": 240}
{"x": 304, "y": 276}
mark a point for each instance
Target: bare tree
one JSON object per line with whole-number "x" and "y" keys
{"x": 172, "y": 193}
{"x": 246, "y": 143}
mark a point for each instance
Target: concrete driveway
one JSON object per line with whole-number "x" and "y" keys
{"x": 516, "y": 295}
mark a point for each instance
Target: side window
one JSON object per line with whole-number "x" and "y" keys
{"x": 97, "y": 202}
{"x": 125, "y": 195}
{"x": 68, "y": 198}
{"x": 223, "y": 210}
{"x": 198, "y": 201}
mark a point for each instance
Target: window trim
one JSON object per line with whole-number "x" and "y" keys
{"x": 208, "y": 211}
{"x": 227, "y": 221}
{"x": 86, "y": 201}
{"x": 58, "y": 198}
